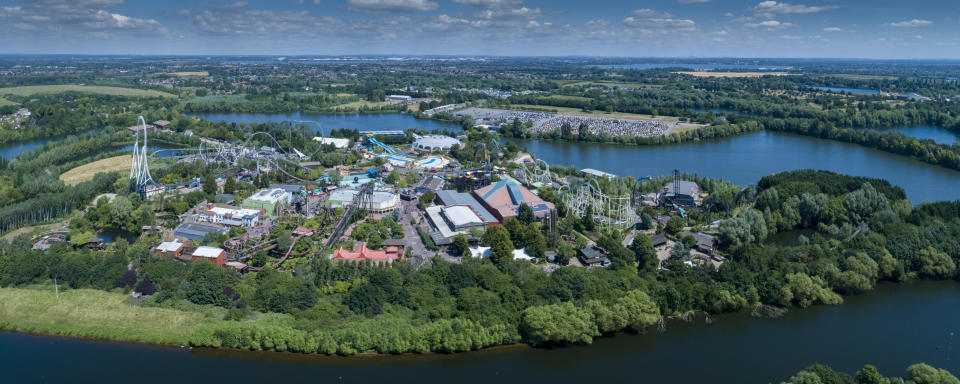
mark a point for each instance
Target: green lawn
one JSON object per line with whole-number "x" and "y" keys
{"x": 95, "y": 314}
{"x": 216, "y": 99}
{"x": 104, "y": 90}
{"x": 4, "y": 102}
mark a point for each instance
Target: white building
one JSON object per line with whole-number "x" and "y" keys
{"x": 399, "y": 98}
{"x": 379, "y": 201}
{"x": 435, "y": 143}
{"x": 236, "y": 217}
{"x": 454, "y": 219}
{"x": 336, "y": 142}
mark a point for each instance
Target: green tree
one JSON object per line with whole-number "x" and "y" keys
{"x": 925, "y": 374}
{"x": 536, "y": 243}
{"x": 210, "y": 184}
{"x": 646, "y": 254}
{"x": 674, "y": 225}
{"x": 229, "y": 185}
{"x": 204, "y": 284}
{"x": 498, "y": 239}
{"x": 461, "y": 245}
{"x": 557, "y": 324}
{"x": 935, "y": 264}
{"x": 587, "y": 219}
{"x": 525, "y": 214}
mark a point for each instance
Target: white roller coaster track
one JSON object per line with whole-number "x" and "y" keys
{"x": 607, "y": 210}
{"x": 140, "y": 176}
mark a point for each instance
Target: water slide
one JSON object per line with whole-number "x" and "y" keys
{"x": 388, "y": 149}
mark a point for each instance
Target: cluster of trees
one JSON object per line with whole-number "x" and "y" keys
{"x": 374, "y": 232}
{"x": 869, "y": 374}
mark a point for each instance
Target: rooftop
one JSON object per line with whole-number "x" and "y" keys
{"x": 591, "y": 171}
{"x": 196, "y": 231}
{"x": 234, "y": 212}
{"x": 449, "y": 197}
{"x": 208, "y": 252}
{"x": 273, "y": 195}
{"x": 170, "y": 246}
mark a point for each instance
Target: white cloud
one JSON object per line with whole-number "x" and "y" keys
{"x": 911, "y": 23}
{"x": 76, "y": 18}
{"x": 390, "y": 6}
{"x": 833, "y": 29}
{"x": 770, "y": 25}
{"x": 769, "y": 8}
{"x": 490, "y": 3}
{"x": 648, "y": 21}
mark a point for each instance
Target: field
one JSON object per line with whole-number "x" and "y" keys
{"x": 566, "y": 98}
{"x": 95, "y": 314}
{"x": 228, "y": 99}
{"x": 578, "y": 111}
{"x": 604, "y": 83}
{"x": 733, "y": 74}
{"x": 103, "y": 90}
{"x": 185, "y": 74}
{"x": 6, "y": 102}
{"x": 87, "y": 171}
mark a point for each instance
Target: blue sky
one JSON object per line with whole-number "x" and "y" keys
{"x": 676, "y": 28}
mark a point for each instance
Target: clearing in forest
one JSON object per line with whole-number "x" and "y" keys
{"x": 87, "y": 171}
{"x": 99, "y": 89}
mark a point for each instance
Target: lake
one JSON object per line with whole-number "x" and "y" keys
{"x": 937, "y": 134}
{"x": 11, "y": 150}
{"x": 745, "y": 159}
{"x": 849, "y": 90}
{"x": 694, "y": 66}
{"x": 892, "y": 327}
{"x": 326, "y": 122}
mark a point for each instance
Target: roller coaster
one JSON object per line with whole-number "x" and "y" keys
{"x": 608, "y": 211}
{"x": 538, "y": 172}
{"x": 140, "y": 178}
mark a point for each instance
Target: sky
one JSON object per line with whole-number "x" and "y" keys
{"x": 888, "y": 29}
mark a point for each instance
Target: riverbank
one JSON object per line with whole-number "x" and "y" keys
{"x": 733, "y": 348}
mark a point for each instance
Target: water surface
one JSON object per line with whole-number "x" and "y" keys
{"x": 324, "y": 123}
{"x": 893, "y": 327}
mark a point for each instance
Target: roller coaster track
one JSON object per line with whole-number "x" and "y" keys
{"x": 607, "y": 210}
{"x": 539, "y": 172}
{"x": 359, "y": 200}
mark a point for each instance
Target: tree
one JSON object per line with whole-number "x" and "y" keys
{"x": 935, "y": 264}
{"x": 129, "y": 279}
{"x": 646, "y": 221}
{"x": 925, "y": 374}
{"x": 870, "y": 375}
{"x": 145, "y": 287}
{"x": 204, "y": 284}
{"x": 674, "y": 226}
{"x": 747, "y": 227}
{"x": 864, "y": 202}
{"x": 498, "y": 239}
{"x": 557, "y": 324}
{"x": 587, "y": 219}
{"x": 646, "y": 254}
{"x": 461, "y": 245}
{"x": 525, "y": 214}
{"x": 210, "y": 184}
{"x": 229, "y": 185}
{"x": 536, "y": 243}
{"x": 680, "y": 251}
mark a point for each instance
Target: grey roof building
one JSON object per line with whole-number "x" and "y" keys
{"x": 592, "y": 256}
{"x": 449, "y": 198}
{"x": 197, "y": 231}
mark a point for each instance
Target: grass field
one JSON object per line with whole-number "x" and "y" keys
{"x": 103, "y": 90}
{"x": 229, "y": 99}
{"x": 733, "y": 74}
{"x": 6, "y": 102}
{"x": 603, "y": 83}
{"x": 87, "y": 171}
{"x": 95, "y": 314}
{"x": 566, "y": 98}
{"x": 185, "y": 74}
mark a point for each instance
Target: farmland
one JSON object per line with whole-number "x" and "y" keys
{"x": 87, "y": 171}
{"x": 98, "y": 89}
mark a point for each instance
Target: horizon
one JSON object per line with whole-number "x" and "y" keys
{"x": 755, "y": 29}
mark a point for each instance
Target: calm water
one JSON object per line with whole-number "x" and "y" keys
{"x": 360, "y": 122}
{"x": 692, "y": 66}
{"x": 849, "y": 90}
{"x": 937, "y": 134}
{"x": 11, "y": 150}
{"x": 893, "y": 327}
{"x": 745, "y": 159}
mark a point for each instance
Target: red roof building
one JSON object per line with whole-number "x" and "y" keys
{"x": 504, "y": 197}
{"x": 363, "y": 253}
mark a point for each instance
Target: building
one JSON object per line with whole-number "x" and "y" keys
{"x": 197, "y": 231}
{"x": 399, "y": 98}
{"x": 162, "y": 125}
{"x": 659, "y": 240}
{"x": 214, "y": 254}
{"x": 705, "y": 242}
{"x": 450, "y": 198}
{"x": 293, "y": 189}
{"x": 362, "y": 253}
{"x": 592, "y": 256}
{"x": 245, "y": 217}
{"x": 173, "y": 248}
{"x": 481, "y": 252}
{"x": 336, "y": 142}
{"x": 269, "y": 200}
{"x": 683, "y": 193}
{"x": 453, "y": 220}
{"x": 435, "y": 143}
{"x": 504, "y": 197}
{"x": 432, "y": 184}
{"x": 225, "y": 198}
{"x": 378, "y": 202}
{"x": 594, "y": 172}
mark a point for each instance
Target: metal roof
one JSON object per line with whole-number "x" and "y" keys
{"x": 449, "y": 197}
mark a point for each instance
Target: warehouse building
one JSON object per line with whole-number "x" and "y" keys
{"x": 197, "y": 231}
{"x": 505, "y": 196}
{"x": 681, "y": 192}
{"x": 435, "y": 143}
{"x": 450, "y": 198}
{"x": 453, "y": 220}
